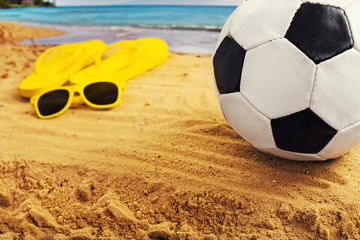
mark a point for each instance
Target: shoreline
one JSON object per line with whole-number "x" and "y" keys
{"x": 33, "y": 33}
{"x": 179, "y": 40}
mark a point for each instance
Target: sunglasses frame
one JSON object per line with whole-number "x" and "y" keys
{"x": 77, "y": 100}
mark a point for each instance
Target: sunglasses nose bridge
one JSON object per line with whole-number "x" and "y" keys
{"x": 77, "y": 88}
{"x": 77, "y": 92}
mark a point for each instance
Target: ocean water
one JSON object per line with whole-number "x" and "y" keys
{"x": 185, "y": 28}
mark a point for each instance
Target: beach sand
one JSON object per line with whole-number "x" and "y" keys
{"x": 12, "y": 31}
{"x": 162, "y": 165}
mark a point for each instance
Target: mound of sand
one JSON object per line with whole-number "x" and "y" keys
{"x": 162, "y": 165}
{"x": 12, "y": 31}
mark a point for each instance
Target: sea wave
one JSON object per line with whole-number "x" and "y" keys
{"x": 204, "y": 18}
{"x": 180, "y": 27}
{"x": 144, "y": 26}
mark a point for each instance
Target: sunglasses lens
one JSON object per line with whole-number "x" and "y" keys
{"x": 53, "y": 102}
{"x": 101, "y": 93}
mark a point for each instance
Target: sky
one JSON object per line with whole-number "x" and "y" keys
{"x": 162, "y": 2}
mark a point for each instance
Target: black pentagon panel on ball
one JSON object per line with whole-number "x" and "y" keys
{"x": 320, "y": 31}
{"x": 228, "y": 64}
{"x": 302, "y": 132}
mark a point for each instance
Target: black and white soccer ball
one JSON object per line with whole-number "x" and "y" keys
{"x": 287, "y": 74}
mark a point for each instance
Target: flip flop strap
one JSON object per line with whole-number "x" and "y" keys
{"x": 123, "y": 44}
{"x": 47, "y": 53}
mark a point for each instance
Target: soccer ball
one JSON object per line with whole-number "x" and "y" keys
{"x": 287, "y": 73}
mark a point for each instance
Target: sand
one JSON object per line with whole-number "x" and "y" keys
{"x": 13, "y": 32}
{"x": 162, "y": 165}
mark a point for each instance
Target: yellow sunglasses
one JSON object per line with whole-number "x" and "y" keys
{"x": 55, "y": 101}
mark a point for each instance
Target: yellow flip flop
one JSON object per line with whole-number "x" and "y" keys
{"x": 56, "y": 65}
{"x": 124, "y": 60}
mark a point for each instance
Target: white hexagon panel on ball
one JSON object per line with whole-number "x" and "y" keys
{"x": 261, "y": 21}
{"x": 277, "y": 78}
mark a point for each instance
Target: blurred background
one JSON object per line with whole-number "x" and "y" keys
{"x": 190, "y": 26}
